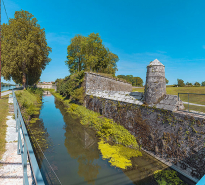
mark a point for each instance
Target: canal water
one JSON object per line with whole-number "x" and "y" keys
{"x": 5, "y": 88}
{"x": 73, "y": 154}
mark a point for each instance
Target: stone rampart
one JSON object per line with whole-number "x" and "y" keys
{"x": 175, "y": 137}
{"x": 97, "y": 82}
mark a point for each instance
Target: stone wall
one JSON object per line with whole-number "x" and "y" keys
{"x": 97, "y": 82}
{"x": 175, "y": 137}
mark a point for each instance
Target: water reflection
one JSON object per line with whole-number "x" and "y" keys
{"x": 5, "y": 88}
{"x": 81, "y": 144}
{"x": 75, "y": 158}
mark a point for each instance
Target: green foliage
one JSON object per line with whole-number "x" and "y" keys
{"x": 24, "y": 49}
{"x": 167, "y": 177}
{"x": 30, "y": 100}
{"x": 70, "y": 88}
{"x": 89, "y": 54}
{"x": 180, "y": 83}
{"x": 106, "y": 128}
{"x": 135, "y": 81}
{"x": 118, "y": 155}
{"x": 167, "y": 81}
{"x": 197, "y": 84}
{"x": 189, "y": 84}
{"x": 203, "y": 83}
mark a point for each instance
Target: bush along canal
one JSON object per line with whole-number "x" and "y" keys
{"x": 74, "y": 149}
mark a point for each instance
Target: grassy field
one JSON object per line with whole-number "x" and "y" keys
{"x": 198, "y": 99}
{"x": 4, "y": 109}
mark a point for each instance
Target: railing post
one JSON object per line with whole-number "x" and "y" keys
{"x": 188, "y": 102}
{"x": 178, "y": 102}
{"x": 19, "y": 139}
{"x": 25, "y": 178}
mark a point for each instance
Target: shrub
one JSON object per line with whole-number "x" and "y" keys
{"x": 167, "y": 177}
{"x": 70, "y": 87}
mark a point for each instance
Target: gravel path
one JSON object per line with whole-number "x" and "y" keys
{"x": 11, "y": 171}
{"x": 5, "y": 93}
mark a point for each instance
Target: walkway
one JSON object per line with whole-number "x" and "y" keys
{"x": 11, "y": 171}
{"x": 5, "y": 93}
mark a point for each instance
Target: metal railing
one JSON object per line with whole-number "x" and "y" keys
{"x": 193, "y": 103}
{"x": 24, "y": 148}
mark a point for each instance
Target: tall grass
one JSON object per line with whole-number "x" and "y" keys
{"x": 30, "y": 102}
{"x": 4, "y": 109}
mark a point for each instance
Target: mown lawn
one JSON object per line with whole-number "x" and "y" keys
{"x": 198, "y": 99}
{"x": 4, "y": 111}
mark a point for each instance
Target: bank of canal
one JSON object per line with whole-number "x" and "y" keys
{"x": 72, "y": 150}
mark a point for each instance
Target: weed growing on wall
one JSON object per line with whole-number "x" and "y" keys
{"x": 167, "y": 177}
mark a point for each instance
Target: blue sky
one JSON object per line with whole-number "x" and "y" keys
{"x": 138, "y": 32}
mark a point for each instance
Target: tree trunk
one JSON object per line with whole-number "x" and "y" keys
{"x": 24, "y": 80}
{"x": 24, "y": 75}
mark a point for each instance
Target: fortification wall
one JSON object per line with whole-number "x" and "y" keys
{"x": 175, "y": 137}
{"x": 97, "y": 82}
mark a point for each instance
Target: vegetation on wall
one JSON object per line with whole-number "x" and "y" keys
{"x": 167, "y": 177}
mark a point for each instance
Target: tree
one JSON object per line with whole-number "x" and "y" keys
{"x": 203, "y": 83}
{"x": 76, "y": 59}
{"x": 180, "y": 83}
{"x": 138, "y": 81}
{"x": 189, "y": 84}
{"x": 167, "y": 81}
{"x": 89, "y": 54}
{"x": 197, "y": 84}
{"x": 135, "y": 81}
{"x": 24, "y": 49}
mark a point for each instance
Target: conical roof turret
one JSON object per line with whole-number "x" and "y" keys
{"x": 155, "y": 86}
{"x": 155, "y": 63}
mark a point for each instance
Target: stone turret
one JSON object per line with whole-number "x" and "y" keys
{"x": 155, "y": 87}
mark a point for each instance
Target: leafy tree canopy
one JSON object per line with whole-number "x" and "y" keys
{"x": 89, "y": 54}
{"x": 189, "y": 84}
{"x": 180, "y": 83}
{"x": 203, "y": 83}
{"x": 24, "y": 49}
{"x": 197, "y": 84}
